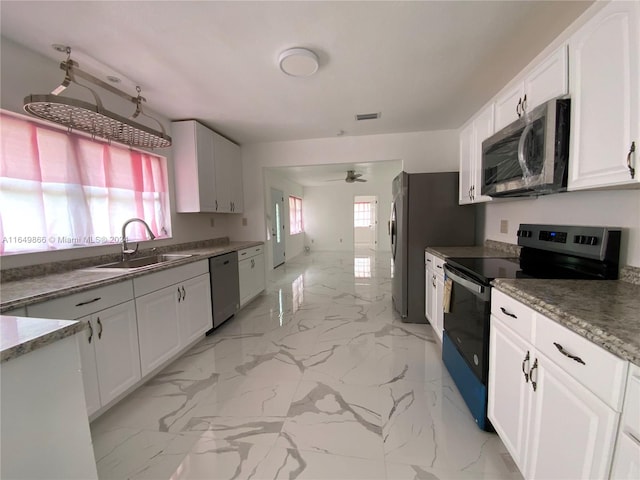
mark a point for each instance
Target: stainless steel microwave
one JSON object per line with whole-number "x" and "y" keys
{"x": 529, "y": 156}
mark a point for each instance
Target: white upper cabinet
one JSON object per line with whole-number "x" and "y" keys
{"x": 546, "y": 80}
{"x": 604, "y": 72}
{"x": 471, "y": 138}
{"x": 208, "y": 170}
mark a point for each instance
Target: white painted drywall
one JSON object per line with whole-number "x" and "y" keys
{"x": 419, "y": 152}
{"x": 328, "y": 213}
{"x": 615, "y": 208}
{"x": 25, "y": 72}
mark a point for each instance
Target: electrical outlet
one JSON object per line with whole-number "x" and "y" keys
{"x": 504, "y": 226}
{"x": 244, "y": 221}
{"x": 212, "y": 222}
{"x": 340, "y": 240}
{"x": 312, "y": 240}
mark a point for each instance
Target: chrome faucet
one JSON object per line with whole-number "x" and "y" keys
{"x": 125, "y": 248}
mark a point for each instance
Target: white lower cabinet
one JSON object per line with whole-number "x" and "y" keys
{"x": 109, "y": 355}
{"x": 173, "y": 309}
{"x": 109, "y": 347}
{"x": 158, "y": 327}
{"x": 434, "y": 284}
{"x": 626, "y": 460}
{"x": 546, "y": 403}
{"x": 250, "y": 273}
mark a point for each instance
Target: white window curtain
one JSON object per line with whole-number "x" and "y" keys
{"x": 60, "y": 190}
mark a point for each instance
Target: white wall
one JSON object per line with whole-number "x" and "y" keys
{"x": 328, "y": 213}
{"x": 25, "y": 72}
{"x": 293, "y": 244}
{"x": 615, "y": 208}
{"x": 419, "y": 152}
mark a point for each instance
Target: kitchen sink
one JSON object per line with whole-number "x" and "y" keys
{"x": 144, "y": 261}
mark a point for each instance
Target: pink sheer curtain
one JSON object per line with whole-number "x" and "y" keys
{"x": 59, "y": 189}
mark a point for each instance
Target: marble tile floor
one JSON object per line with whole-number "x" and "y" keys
{"x": 315, "y": 379}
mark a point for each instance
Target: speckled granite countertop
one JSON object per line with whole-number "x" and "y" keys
{"x": 606, "y": 312}
{"x": 468, "y": 252}
{"x": 19, "y": 293}
{"x": 23, "y": 335}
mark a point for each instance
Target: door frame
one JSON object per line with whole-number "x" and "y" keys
{"x": 278, "y": 248}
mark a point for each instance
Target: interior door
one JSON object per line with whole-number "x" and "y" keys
{"x": 277, "y": 227}
{"x": 365, "y": 220}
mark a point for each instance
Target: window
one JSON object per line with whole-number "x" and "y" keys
{"x": 60, "y": 190}
{"x": 295, "y": 215}
{"x": 362, "y": 214}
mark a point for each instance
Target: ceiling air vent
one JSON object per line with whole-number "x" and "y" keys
{"x": 367, "y": 116}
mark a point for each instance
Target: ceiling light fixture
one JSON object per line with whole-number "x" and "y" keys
{"x": 298, "y": 62}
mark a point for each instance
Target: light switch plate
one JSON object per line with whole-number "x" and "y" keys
{"x": 504, "y": 226}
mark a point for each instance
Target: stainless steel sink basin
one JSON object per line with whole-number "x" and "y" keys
{"x": 144, "y": 261}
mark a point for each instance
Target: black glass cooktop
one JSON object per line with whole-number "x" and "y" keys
{"x": 486, "y": 269}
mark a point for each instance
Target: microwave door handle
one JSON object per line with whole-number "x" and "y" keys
{"x": 521, "y": 156}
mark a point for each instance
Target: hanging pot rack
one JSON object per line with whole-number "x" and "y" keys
{"x": 95, "y": 119}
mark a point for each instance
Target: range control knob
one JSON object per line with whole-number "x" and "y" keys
{"x": 524, "y": 233}
{"x": 593, "y": 240}
{"x": 578, "y": 239}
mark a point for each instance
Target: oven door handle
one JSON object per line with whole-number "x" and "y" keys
{"x": 466, "y": 283}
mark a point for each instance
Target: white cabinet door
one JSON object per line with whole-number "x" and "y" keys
{"x": 206, "y": 181}
{"x": 195, "y": 308}
{"x": 158, "y": 327}
{"x": 86, "y": 343}
{"x": 546, "y": 80}
{"x": 466, "y": 165}
{"x": 236, "y": 194}
{"x": 258, "y": 274}
{"x": 572, "y": 432}
{"x": 428, "y": 287}
{"x": 626, "y": 463}
{"x": 483, "y": 129}
{"x": 509, "y": 388}
{"x": 117, "y": 355}
{"x": 508, "y": 105}
{"x": 438, "y": 312}
{"x": 604, "y": 85}
{"x": 223, "y": 151}
{"x": 471, "y": 139}
{"x": 251, "y": 278}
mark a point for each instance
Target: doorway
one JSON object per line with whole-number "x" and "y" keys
{"x": 277, "y": 227}
{"x": 365, "y": 222}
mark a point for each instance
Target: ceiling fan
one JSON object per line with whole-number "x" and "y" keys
{"x": 352, "y": 177}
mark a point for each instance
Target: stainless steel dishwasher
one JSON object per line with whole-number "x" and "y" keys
{"x": 225, "y": 294}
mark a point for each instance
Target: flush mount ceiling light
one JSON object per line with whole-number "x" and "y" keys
{"x": 298, "y": 62}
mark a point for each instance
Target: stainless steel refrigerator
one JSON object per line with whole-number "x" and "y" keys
{"x": 425, "y": 213}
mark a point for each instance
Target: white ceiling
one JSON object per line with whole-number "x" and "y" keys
{"x": 335, "y": 174}
{"x": 424, "y": 65}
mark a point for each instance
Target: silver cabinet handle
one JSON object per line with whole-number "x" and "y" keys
{"x": 216, "y": 205}
{"x": 433, "y": 281}
{"x": 567, "y": 354}
{"x": 632, "y": 171}
{"x": 524, "y": 103}
{"x": 99, "y": 331}
{"x": 179, "y": 295}
{"x": 184, "y": 293}
{"x": 525, "y": 370}
{"x": 534, "y": 383}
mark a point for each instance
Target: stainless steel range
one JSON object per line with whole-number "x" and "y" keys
{"x": 548, "y": 251}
